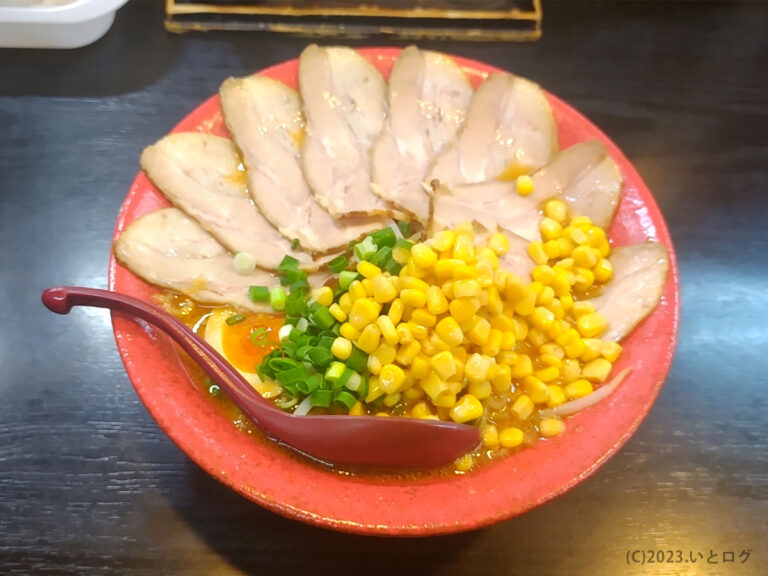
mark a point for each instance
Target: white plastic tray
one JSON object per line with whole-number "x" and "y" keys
{"x": 55, "y": 23}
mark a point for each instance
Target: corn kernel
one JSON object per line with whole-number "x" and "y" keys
{"x": 467, "y": 408}
{"x": 556, "y": 210}
{"x": 391, "y": 399}
{"x": 570, "y": 371}
{"x": 489, "y": 257}
{"x": 466, "y": 288}
{"x": 357, "y": 291}
{"x": 388, "y": 330}
{"x": 499, "y": 243}
{"x": 584, "y": 279}
{"x": 413, "y": 297}
{"x": 597, "y": 370}
{"x": 536, "y": 252}
{"x": 443, "y": 365}
{"x": 610, "y": 351}
{"x": 550, "y": 427}
{"x": 552, "y": 249}
{"x": 502, "y": 380}
{"x": 368, "y": 270}
{"x": 401, "y": 255}
{"x": 463, "y": 249}
{"x": 357, "y": 409}
{"x": 511, "y": 437}
{"x": 341, "y": 348}
{"x": 575, "y": 349}
{"x": 581, "y": 221}
{"x": 414, "y": 393}
{"x": 476, "y": 367}
{"x": 382, "y": 289}
{"x": 345, "y": 302}
{"x": 523, "y": 407}
{"x": 385, "y": 353}
{"x": 374, "y": 364}
{"x": 490, "y": 436}
{"x": 578, "y": 389}
{"x": 480, "y": 332}
{"x": 556, "y": 396}
{"x": 547, "y": 374}
{"x": 537, "y": 337}
{"x": 508, "y": 340}
{"x": 449, "y": 331}
{"x": 584, "y": 256}
{"x": 337, "y": 313}
{"x": 544, "y": 274}
{"x": 420, "y": 367}
{"x": 437, "y": 303}
{"x": 444, "y": 267}
{"x": 419, "y": 332}
{"x": 536, "y": 390}
{"x": 463, "y": 310}
{"x": 524, "y": 185}
{"x": 374, "y": 390}
{"x": 349, "y": 332}
{"x": 423, "y": 256}
{"x": 593, "y": 349}
{"x": 492, "y": 346}
{"x": 421, "y": 410}
{"x": 542, "y": 317}
{"x": 582, "y": 307}
{"x": 323, "y": 296}
{"x": 576, "y": 235}
{"x": 433, "y": 385}
{"x": 520, "y": 329}
{"x": 363, "y": 312}
{"x": 396, "y": 311}
{"x": 603, "y": 271}
{"x": 408, "y": 352}
{"x": 507, "y": 358}
{"x": 464, "y": 463}
{"x": 369, "y": 338}
{"x": 443, "y": 240}
{"x": 523, "y": 367}
{"x": 550, "y": 360}
{"x": 591, "y": 325}
{"x": 549, "y": 228}
{"x": 391, "y": 378}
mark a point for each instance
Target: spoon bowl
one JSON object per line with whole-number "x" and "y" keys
{"x": 344, "y": 440}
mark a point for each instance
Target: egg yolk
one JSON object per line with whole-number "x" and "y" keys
{"x": 236, "y": 342}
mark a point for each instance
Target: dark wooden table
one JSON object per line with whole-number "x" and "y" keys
{"x": 90, "y": 485}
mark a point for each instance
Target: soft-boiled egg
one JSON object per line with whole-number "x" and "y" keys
{"x": 233, "y": 341}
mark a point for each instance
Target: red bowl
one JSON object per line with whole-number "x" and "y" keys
{"x": 271, "y": 477}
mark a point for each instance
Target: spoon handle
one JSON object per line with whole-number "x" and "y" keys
{"x": 61, "y": 299}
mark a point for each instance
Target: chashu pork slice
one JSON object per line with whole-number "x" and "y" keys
{"x": 345, "y": 106}
{"x": 201, "y": 174}
{"x": 583, "y": 176}
{"x": 265, "y": 121}
{"x": 509, "y": 130}
{"x": 639, "y": 277}
{"x": 428, "y": 97}
{"x": 170, "y": 249}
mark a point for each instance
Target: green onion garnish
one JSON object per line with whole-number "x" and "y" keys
{"x": 277, "y": 298}
{"x": 384, "y": 237}
{"x": 402, "y": 243}
{"x": 405, "y": 228}
{"x": 358, "y": 360}
{"x": 288, "y": 263}
{"x": 311, "y": 384}
{"x": 365, "y": 249}
{"x": 345, "y": 400}
{"x": 323, "y": 318}
{"x": 338, "y": 264}
{"x": 259, "y": 337}
{"x": 321, "y": 398}
{"x": 258, "y": 293}
{"x": 295, "y": 244}
{"x": 382, "y": 256}
{"x": 235, "y": 319}
{"x": 334, "y": 371}
{"x": 347, "y": 277}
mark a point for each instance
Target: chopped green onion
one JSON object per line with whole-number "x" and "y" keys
{"x": 235, "y": 319}
{"x": 405, "y": 228}
{"x": 362, "y": 391}
{"x": 311, "y": 384}
{"x": 365, "y": 249}
{"x": 244, "y": 263}
{"x": 382, "y": 256}
{"x": 354, "y": 382}
{"x": 334, "y": 372}
{"x": 384, "y": 237}
{"x": 325, "y": 342}
{"x": 338, "y": 264}
{"x": 277, "y": 298}
{"x": 403, "y": 243}
{"x": 293, "y": 277}
{"x": 285, "y": 402}
{"x": 343, "y": 379}
{"x": 321, "y": 398}
{"x": 288, "y": 263}
{"x": 258, "y": 293}
{"x": 259, "y": 337}
{"x": 278, "y": 364}
{"x": 347, "y": 277}
{"x": 293, "y": 375}
{"x": 323, "y": 318}
{"x": 358, "y": 360}
{"x": 393, "y": 267}
{"x": 302, "y": 324}
{"x": 295, "y": 244}
{"x": 345, "y": 399}
{"x": 320, "y": 357}
{"x": 295, "y": 304}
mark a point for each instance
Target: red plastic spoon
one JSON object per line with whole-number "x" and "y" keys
{"x": 346, "y": 440}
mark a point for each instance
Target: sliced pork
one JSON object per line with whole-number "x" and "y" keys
{"x": 428, "y": 97}
{"x": 265, "y": 120}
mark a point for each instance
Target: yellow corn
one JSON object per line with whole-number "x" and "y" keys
{"x": 523, "y": 407}
{"x": 404, "y": 333}
{"x": 408, "y": 352}
{"x": 523, "y": 367}
{"x": 476, "y": 367}
{"x": 357, "y": 291}
{"x": 391, "y": 378}
{"x": 597, "y": 370}
{"x": 591, "y": 325}
{"x": 437, "y": 343}
{"x": 582, "y": 307}
{"x": 550, "y": 229}
{"x": 480, "y": 332}
{"x": 570, "y": 371}
{"x": 449, "y": 331}
{"x": 492, "y": 345}
{"x": 536, "y": 389}
{"x": 423, "y": 317}
{"x": 524, "y": 185}
{"x": 413, "y": 297}
{"x": 443, "y": 240}
{"x": 499, "y": 243}
{"x": 502, "y": 380}
{"x": 511, "y": 437}
{"x": 363, "y": 312}
{"x": 374, "y": 364}
{"x": 443, "y": 364}
{"x": 349, "y": 332}
{"x": 489, "y": 257}
{"x": 419, "y": 332}
{"x": 544, "y": 274}
{"x": 341, "y": 348}
{"x": 337, "y": 312}
{"x": 463, "y": 309}
{"x": 368, "y": 270}
{"x": 422, "y": 410}
{"x": 556, "y": 210}
{"x": 382, "y": 288}
{"x": 576, "y": 234}
{"x": 374, "y": 390}
{"x": 536, "y": 252}
{"x": 508, "y": 340}
{"x": 603, "y": 271}
{"x": 391, "y": 399}
{"x": 323, "y": 296}
{"x": 369, "y": 338}
{"x": 578, "y": 389}
{"x": 420, "y": 367}
{"x": 385, "y": 353}
{"x": 388, "y": 330}
{"x": 593, "y": 349}
{"x": 433, "y": 385}
{"x": 550, "y": 427}
{"x": 437, "y": 303}
{"x": 345, "y": 302}
{"x": 423, "y": 256}
{"x": 556, "y": 396}
{"x": 542, "y": 317}
{"x": 463, "y": 249}
{"x": 466, "y": 288}
{"x": 584, "y": 279}
{"x": 464, "y": 463}
{"x": 396, "y": 311}
{"x": 467, "y": 408}
{"x": 357, "y": 409}
{"x": 526, "y": 306}
{"x": 444, "y": 267}
{"x": 480, "y": 390}
{"x": 490, "y": 435}
{"x": 610, "y": 351}
{"x": 547, "y": 374}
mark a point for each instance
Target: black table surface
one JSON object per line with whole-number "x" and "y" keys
{"x": 90, "y": 485}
